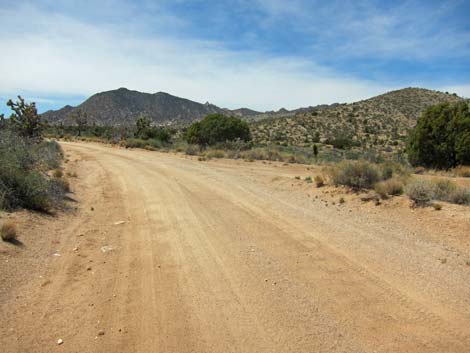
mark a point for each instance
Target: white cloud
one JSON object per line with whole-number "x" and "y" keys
{"x": 56, "y": 55}
{"x": 461, "y": 90}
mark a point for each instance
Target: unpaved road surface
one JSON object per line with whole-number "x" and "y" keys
{"x": 168, "y": 254}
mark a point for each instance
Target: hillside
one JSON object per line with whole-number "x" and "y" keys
{"x": 381, "y": 122}
{"x": 123, "y": 106}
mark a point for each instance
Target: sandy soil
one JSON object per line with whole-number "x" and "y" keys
{"x": 163, "y": 253}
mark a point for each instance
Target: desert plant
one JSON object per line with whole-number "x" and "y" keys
{"x": 80, "y": 118}
{"x": 443, "y": 189}
{"x": 23, "y": 178}
{"x": 355, "y": 174}
{"x": 437, "y": 206}
{"x": 57, "y": 173}
{"x": 420, "y": 192}
{"x": 308, "y": 179}
{"x": 319, "y": 181}
{"x": 192, "y": 150}
{"x": 441, "y": 138}
{"x": 460, "y": 196}
{"x": 8, "y": 231}
{"x": 215, "y": 154}
{"x": 391, "y": 187}
{"x": 25, "y": 119}
{"x": 462, "y": 171}
{"x": 217, "y": 128}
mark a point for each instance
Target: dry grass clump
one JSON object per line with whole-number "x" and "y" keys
{"x": 215, "y": 154}
{"x": 308, "y": 179}
{"x": 391, "y": 187}
{"x": 419, "y": 170}
{"x": 462, "y": 171}
{"x": 319, "y": 181}
{"x": 355, "y": 174}
{"x": 8, "y": 231}
{"x": 57, "y": 173}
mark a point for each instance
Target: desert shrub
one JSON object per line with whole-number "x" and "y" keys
{"x": 308, "y": 179}
{"x": 420, "y": 191}
{"x": 255, "y": 154}
{"x": 460, "y": 196}
{"x": 390, "y": 187}
{"x": 443, "y": 189}
{"x": 355, "y": 174}
{"x": 8, "y": 231}
{"x": 155, "y": 143}
{"x": 437, "y": 206}
{"x": 419, "y": 170}
{"x": 342, "y": 142}
{"x": 192, "y": 150}
{"x": 215, "y": 154}
{"x": 49, "y": 153}
{"x": 441, "y": 138}
{"x": 391, "y": 169}
{"x": 462, "y": 171}
{"x": 217, "y": 128}
{"x": 134, "y": 143}
{"x": 23, "y": 178}
{"x": 57, "y": 173}
{"x": 319, "y": 181}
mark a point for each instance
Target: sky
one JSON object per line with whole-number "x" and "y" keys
{"x": 261, "y": 54}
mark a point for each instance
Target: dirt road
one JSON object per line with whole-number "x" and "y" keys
{"x": 170, "y": 254}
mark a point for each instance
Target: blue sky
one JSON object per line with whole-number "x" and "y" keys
{"x": 262, "y": 54}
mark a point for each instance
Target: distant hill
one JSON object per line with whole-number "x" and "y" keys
{"x": 381, "y": 122}
{"x": 123, "y": 106}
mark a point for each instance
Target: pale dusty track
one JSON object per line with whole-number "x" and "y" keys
{"x": 212, "y": 257}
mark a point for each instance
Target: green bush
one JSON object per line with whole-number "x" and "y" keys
{"x": 441, "y": 138}
{"x": 217, "y": 128}
{"x": 355, "y": 174}
{"x": 23, "y": 179}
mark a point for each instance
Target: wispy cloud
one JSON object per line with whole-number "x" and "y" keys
{"x": 64, "y": 56}
{"x": 272, "y": 54}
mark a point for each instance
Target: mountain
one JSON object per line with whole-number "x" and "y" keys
{"x": 122, "y": 106}
{"x": 381, "y": 122}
